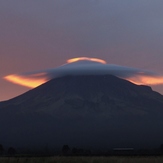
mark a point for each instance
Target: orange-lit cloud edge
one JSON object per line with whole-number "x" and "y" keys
{"x": 146, "y": 80}
{"x": 34, "y": 80}
{"x": 86, "y": 59}
{"x": 30, "y": 81}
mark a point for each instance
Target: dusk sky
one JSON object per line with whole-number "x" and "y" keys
{"x": 43, "y": 34}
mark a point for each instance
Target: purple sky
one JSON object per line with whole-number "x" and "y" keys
{"x": 42, "y": 34}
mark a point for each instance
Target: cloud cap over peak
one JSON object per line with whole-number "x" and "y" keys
{"x": 86, "y": 66}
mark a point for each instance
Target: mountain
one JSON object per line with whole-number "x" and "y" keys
{"x": 89, "y": 111}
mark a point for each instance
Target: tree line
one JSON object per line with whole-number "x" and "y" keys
{"x": 67, "y": 151}
{"x": 10, "y": 151}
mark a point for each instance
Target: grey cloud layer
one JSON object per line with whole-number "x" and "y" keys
{"x": 89, "y": 68}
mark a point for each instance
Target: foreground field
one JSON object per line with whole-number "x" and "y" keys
{"x": 82, "y": 160}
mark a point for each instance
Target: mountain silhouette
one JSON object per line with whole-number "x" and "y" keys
{"x": 89, "y": 111}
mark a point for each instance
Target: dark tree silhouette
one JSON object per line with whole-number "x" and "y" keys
{"x": 76, "y": 151}
{"x": 65, "y": 149}
{"x": 11, "y": 151}
{"x": 1, "y": 149}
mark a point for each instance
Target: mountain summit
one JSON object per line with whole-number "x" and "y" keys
{"x": 89, "y": 111}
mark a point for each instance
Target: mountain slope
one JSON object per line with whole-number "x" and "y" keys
{"x": 84, "y": 111}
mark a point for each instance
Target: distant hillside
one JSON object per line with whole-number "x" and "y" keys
{"x": 93, "y": 111}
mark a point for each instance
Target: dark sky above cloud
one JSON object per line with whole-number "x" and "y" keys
{"x": 43, "y": 34}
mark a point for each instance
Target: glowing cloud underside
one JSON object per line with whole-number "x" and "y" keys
{"x": 30, "y": 81}
{"x": 136, "y": 76}
{"x": 147, "y": 80}
{"x": 86, "y": 59}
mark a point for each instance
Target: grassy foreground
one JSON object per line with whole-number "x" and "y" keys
{"x": 82, "y": 160}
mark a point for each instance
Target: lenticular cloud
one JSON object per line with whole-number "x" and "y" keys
{"x": 86, "y": 66}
